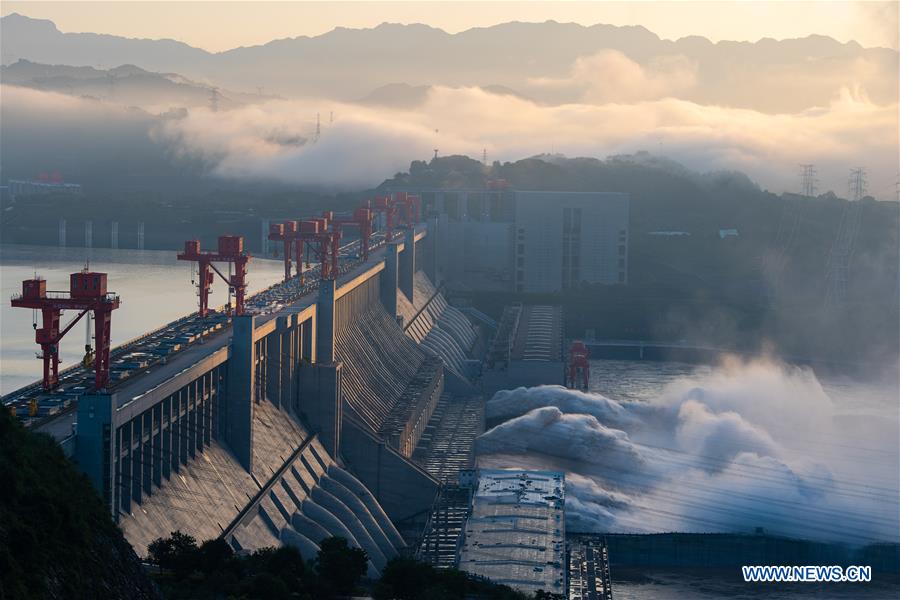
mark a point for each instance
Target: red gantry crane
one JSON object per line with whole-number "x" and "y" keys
{"x": 384, "y": 205}
{"x": 410, "y": 205}
{"x": 361, "y": 218}
{"x": 231, "y": 250}
{"x": 87, "y": 292}
{"x": 289, "y": 233}
{"x": 401, "y": 208}
{"x": 324, "y": 244}
{"x": 578, "y": 363}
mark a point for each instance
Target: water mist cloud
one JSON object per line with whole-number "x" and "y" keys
{"x": 610, "y": 76}
{"x": 275, "y": 140}
{"x": 365, "y": 144}
{"x": 747, "y": 445}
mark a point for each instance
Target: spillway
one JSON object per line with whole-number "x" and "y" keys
{"x": 438, "y": 327}
{"x": 379, "y": 361}
{"x": 297, "y": 423}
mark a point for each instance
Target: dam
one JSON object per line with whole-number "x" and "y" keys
{"x": 325, "y": 410}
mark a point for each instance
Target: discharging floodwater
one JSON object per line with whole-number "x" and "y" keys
{"x": 853, "y": 399}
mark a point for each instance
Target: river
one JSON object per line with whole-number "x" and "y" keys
{"x": 657, "y": 447}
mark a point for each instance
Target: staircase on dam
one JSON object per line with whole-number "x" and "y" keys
{"x": 447, "y": 446}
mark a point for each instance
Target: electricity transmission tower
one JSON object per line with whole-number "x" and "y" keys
{"x": 838, "y": 273}
{"x": 808, "y": 180}
{"x": 857, "y": 184}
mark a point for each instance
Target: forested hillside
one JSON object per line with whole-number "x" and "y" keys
{"x": 764, "y": 287}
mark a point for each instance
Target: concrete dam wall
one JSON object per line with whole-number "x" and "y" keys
{"x": 296, "y": 425}
{"x": 379, "y": 361}
{"x": 430, "y": 321}
{"x": 291, "y": 495}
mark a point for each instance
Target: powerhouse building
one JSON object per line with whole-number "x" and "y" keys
{"x": 516, "y": 530}
{"x": 528, "y": 241}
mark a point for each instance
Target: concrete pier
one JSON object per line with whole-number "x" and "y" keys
{"x": 390, "y": 278}
{"x": 321, "y": 403}
{"x": 241, "y": 390}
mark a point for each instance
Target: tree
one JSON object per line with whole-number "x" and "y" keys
{"x": 407, "y": 579}
{"x": 160, "y": 553}
{"x": 178, "y": 552}
{"x": 57, "y": 539}
{"x": 214, "y": 555}
{"x": 340, "y": 567}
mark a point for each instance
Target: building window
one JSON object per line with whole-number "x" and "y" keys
{"x": 571, "y": 247}
{"x": 520, "y": 262}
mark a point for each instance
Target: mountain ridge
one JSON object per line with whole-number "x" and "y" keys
{"x": 125, "y": 84}
{"x": 51, "y": 25}
{"x": 345, "y": 64}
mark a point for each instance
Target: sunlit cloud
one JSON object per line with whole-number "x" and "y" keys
{"x": 365, "y": 145}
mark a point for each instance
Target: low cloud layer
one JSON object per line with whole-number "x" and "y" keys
{"x": 364, "y": 145}
{"x": 747, "y": 445}
{"x": 610, "y": 76}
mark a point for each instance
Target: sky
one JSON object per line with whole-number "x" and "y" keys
{"x": 216, "y": 25}
{"x": 611, "y": 105}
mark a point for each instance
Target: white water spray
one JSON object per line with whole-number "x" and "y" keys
{"x": 747, "y": 445}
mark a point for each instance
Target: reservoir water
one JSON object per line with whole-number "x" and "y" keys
{"x": 154, "y": 288}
